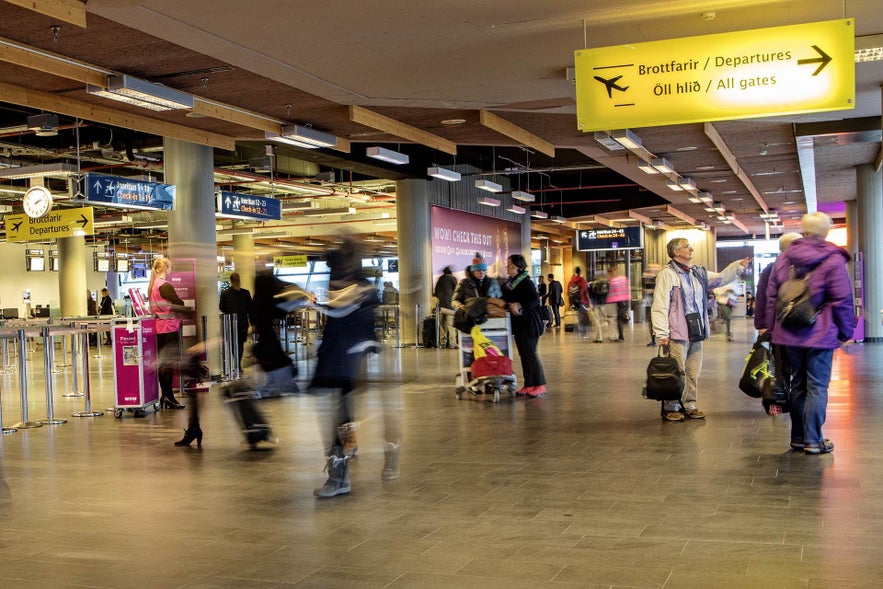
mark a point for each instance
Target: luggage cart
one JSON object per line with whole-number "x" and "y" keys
{"x": 134, "y": 366}
{"x": 486, "y": 388}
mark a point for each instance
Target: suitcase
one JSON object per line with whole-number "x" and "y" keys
{"x": 429, "y": 332}
{"x": 238, "y": 395}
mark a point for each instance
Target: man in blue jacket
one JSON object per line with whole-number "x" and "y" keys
{"x": 810, "y": 348}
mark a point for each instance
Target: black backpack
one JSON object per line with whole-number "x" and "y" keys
{"x": 665, "y": 379}
{"x": 573, "y": 296}
{"x": 794, "y": 307}
{"x": 600, "y": 287}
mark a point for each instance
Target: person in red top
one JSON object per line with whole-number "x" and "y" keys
{"x": 578, "y": 298}
{"x": 618, "y": 297}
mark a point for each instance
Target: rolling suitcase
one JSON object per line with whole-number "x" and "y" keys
{"x": 238, "y": 395}
{"x": 429, "y": 332}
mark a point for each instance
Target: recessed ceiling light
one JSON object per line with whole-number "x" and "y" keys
{"x": 687, "y": 148}
{"x": 705, "y": 168}
{"x": 453, "y": 122}
{"x": 718, "y": 181}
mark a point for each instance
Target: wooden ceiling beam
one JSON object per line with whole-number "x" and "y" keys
{"x": 101, "y": 114}
{"x": 513, "y": 131}
{"x": 57, "y": 65}
{"x": 369, "y": 118}
{"x": 69, "y": 11}
{"x": 236, "y": 116}
{"x": 642, "y": 218}
{"x": 680, "y": 215}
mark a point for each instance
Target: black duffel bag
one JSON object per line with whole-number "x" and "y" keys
{"x": 665, "y": 379}
{"x": 759, "y": 377}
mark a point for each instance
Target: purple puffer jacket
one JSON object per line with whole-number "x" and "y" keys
{"x": 829, "y": 287}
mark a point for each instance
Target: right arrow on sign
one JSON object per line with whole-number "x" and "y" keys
{"x": 824, "y": 60}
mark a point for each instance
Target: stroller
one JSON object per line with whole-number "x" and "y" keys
{"x": 490, "y": 372}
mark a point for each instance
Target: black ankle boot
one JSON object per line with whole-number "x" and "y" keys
{"x": 170, "y": 403}
{"x": 191, "y": 433}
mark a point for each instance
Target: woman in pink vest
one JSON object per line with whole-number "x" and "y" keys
{"x": 619, "y": 298}
{"x": 164, "y": 301}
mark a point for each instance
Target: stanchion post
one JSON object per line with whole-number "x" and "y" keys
{"x": 5, "y": 430}
{"x": 48, "y": 360}
{"x": 4, "y": 357}
{"x": 226, "y": 369}
{"x": 87, "y": 410}
{"x": 98, "y": 338}
{"x": 417, "y": 330}
{"x": 438, "y": 325}
{"x": 23, "y": 380}
{"x": 234, "y": 347}
{"x": 180, "y": 361}
{"x": 74, "y": 368}
{"x": 398, "y": 328}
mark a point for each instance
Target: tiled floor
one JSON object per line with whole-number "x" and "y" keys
{"x": 585, "y": 488}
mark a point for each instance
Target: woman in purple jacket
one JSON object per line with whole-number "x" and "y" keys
{"x": 810, "y": 349}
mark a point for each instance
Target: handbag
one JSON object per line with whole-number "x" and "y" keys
{"x": 695, "y": 327}
{"x": 665, "y": 379}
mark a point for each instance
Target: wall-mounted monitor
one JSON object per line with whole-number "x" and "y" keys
{"x": 53, "y": 261}
{"x": 610, "y": 238}
{"x": 139, "y": 270}
{"x": 36, "y": 264}
{"x": 121, "y": 265}
{"x": 102, "y": 265}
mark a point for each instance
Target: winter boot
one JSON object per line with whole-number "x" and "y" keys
{"x": 391, "y": 462}
{"x": 338, "y": 482}
{"x": 346, "y": 433}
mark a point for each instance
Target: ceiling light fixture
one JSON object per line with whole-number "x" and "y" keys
{"x": 705, "y": 197}
{"x": 868, "y": 48}
{"x": 301, "y": 136}
{"x": 41, "y": 171}
{"x": 138, "y": 92}
{"x": 626, "y": 138}
{"x": 331, "y": 211}
{"x": 488, "y": 201}
{"x": 444, "y": 174}
{"x": 558, "y": 219}
{"x": 523, "y": 196}
{"x": 647, "y": 168}
{"x": 43, "y": 125}
{"x": 516, "y": 209}
{"x": 607, "y": 141}
{"x": 674, "y": 185}
{"x": 539, "y": 215}
{"x": 387, "y": 155}
{"x": 663, "y": 165}
{"x": 687, "y": 184}
{"x": 488, "y": 186}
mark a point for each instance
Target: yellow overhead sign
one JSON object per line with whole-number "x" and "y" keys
{"x": 298, "y": 261}
{"x": 761, "y": 72}
{"x": 58, "y": 223}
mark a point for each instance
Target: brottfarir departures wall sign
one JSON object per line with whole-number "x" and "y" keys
{"x": 761, "y": 72}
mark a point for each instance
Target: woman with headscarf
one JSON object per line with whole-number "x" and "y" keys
{"x": 523, "y": 303}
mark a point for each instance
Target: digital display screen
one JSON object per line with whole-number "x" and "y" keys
{"x": 610, "y": 238}
{"x": 36, "y": 264}
{"x": 102, "y": 265}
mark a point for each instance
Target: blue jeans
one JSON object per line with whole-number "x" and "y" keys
{"x": 810, "y": 377}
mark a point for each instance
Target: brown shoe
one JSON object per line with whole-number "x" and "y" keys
{"x": 672, "y": 416}
{"x": 693, "y": 414}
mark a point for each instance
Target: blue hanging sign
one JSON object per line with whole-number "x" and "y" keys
{"x": 115, "y": 191}
{"x": 248, "y": 206}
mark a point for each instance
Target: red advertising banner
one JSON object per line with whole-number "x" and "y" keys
{"x": 457, "y": 236}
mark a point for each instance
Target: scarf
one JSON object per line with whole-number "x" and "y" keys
{"x": 513, "y": 281}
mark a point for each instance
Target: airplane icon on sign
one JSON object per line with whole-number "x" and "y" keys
{"x": 611, "y": 85}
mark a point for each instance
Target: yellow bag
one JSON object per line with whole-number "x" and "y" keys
{"x": 482, "y": 345}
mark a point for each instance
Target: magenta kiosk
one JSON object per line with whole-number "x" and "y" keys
{"x": 135, "y": 361}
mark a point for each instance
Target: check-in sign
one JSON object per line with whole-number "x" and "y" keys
{"x": 116, "y": 191}
{"x": 248, "y": 206}
{"x": 298, "y": 261}
{"x": 761, "y": 72}
{"x": 58, "y": 223}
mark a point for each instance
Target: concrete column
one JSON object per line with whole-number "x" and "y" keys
{"x": 869, "y": 193}
{"x": 415, "y": 275}
{"x": 243, "y": 260}
{"x": 192, "y": 228}
{"x": 525, "y": 241}
{"x": 72, "y": 264}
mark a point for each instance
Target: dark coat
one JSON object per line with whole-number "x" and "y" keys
{"x": 530, "y": 321}
{"x": 444, "y": 290}
{"x": 830, "y": 291}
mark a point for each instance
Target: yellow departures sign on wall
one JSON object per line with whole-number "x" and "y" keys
{"x": 761, "y": 72}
